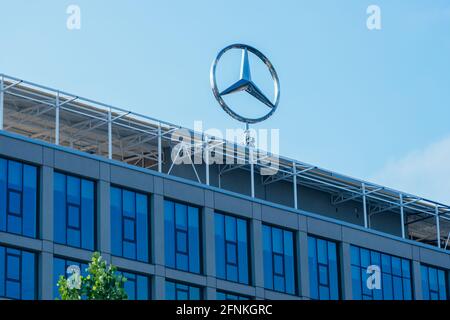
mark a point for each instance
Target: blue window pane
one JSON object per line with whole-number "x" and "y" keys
{"x": 182, "y": 237}
{"x": 396, "y": 266}
{"x": 17, "y": 274}
{"x": 356, "y": 283}
{"x": 432, "y": 277}
{"x": 313, "y": 272}
{"x": 59, "y": 199}
{"x": 60, "y": 266}
{"x": 395, "y": 278}
{"x": 181, "y": 216}
{"x": 279, "y": 262}
{"x": 194, "y": 240}
{"x": 15, "y": 175}
{"x": 268, "y": 267}
{"x": 129, "y": 204}
{"x": 425, "y": 285}
{"x": 194, "y": 293}
{"x": 221, "y": 296}
{"x": 29, "y": 201}
{"x": 324, "y": 292}
{"x": 232, "y": 273}
{"x": 169, "y": 233}
{"x": 14, "y": 224}
{"x": 398, "y": 288}
{"x": 142, "y": 214}
{"x": 365, "y": 258}
{"x": 355, "y": 256}
{"x": 15, "y": 203}
{"x": 170, "y": 290}
{"x": 289, "y": 262}
{"x": 128, "y": 230}
{"x": 130, "y": 287}
{"x": 322, "y": 251}
{"x": 88, "y": 214}
{"x": 182, "y": 246}
{"x": 220, "y": 246}
{"x": 243, "y": 251}
{"x": 136, "y": 286}
{"x": 129, "y": 250}
{"x": 323, "y": 269}
{"x": 182, "y": 261}
{"x": 442, "y": 285}
{"x": 129, "y": 224}
{"x": 386, "y": 263}
{"x": 406, "y": 272}
{"x": 74, "y": 203}
{"x": 73, "y": 217}
{"x": 142, "y": 288}
{"x": 278, "y": 283}
{"x": 178, "y": 291}
{"x": 116, "y": 221}
{"x": 13, "y": 265}
{"x": 18, "y": 198}
{"x": 3, "y": 194}
{"x": 375, "y": 258}
{"x": 407, "y": 292}
{"x": 434, "y": 283}
{"x": 73, "y": 190}
{"x": 73, "y": 237}
{"x": 388, "y": 290}
{"x": 230, "y": 228}
{"x": 231, "y": 253}
{"x": 231, "y": 248}
{"x": 323, "y": 275}
{"x": 277, "y": 240}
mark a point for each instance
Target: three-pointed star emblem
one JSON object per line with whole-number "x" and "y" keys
{"x": 245, "y": 83}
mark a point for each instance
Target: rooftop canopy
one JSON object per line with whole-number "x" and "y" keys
{"x": 72, "y": 121}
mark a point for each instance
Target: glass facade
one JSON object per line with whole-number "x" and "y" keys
{"x": 17, "y": 274}
{"x": 323, "y": 269}
{"x": 434, "y": 283}
{"x": 222, "y": 295}
{"x": 129, "y": 224}
{"x": 279, "y": 259}
{"x": 18, "y": 198}
{"x": 395, "y": 275}
{"x": 74, "y": 211}
{"x": 74, "y": 225}
{"x": 60, "y": 266}
{"x": 231, "y": 248}
{"x": 180, "y": 291}
{"x": 137, "y": 286}
{"x": 182, "y": 236}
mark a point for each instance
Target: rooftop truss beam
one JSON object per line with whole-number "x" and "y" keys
{"x": 102, "y": 129}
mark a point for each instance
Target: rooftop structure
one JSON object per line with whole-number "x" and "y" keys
{"x": 68, "y": 120}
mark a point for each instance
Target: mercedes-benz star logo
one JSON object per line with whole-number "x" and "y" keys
{"x": 245, "y": 83}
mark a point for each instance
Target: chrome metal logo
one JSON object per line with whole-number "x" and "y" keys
{"x": 245, "y": 83}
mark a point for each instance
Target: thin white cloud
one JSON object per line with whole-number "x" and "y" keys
{"x": 425, "y": 173}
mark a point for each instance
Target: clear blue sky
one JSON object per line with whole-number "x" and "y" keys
{"x": 360, "y": 102}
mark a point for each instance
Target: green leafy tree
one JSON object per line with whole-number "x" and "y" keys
{"x": 101, "y": 283}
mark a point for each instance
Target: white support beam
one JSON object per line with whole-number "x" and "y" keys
{"x": 402, "y": 215}
{"x": 252, "y": 172}
{"x": 438, "y": 227}
{"x": 294, "y": 184}
{"x": 366, "y": 222}
{"x": 57, "y": 106}
{"x": 110, "y": 151}
{"x": 206, "y": 158}
{"x": 159, "y": 149}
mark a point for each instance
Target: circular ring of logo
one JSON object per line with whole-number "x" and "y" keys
{"x": 249, "y": 87}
